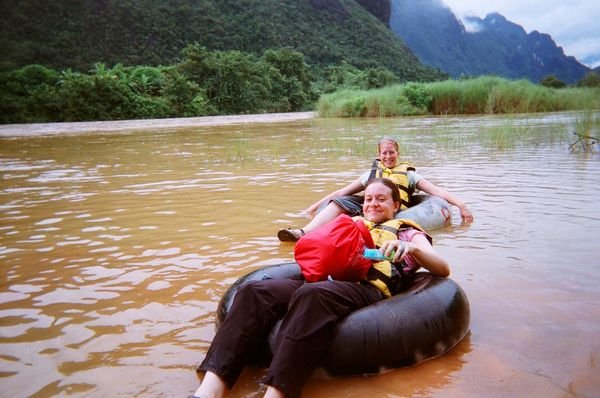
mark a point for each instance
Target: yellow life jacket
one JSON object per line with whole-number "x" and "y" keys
{"x": 399, "y": 175}
{"x": 384, "y": 275}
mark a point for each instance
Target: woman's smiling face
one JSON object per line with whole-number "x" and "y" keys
{"x": 379, "y": 206}
{"x": 388, "y": 153}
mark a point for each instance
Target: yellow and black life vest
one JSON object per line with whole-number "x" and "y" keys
{"x": 384, "y": 275}
{"x": 399, "y": 175}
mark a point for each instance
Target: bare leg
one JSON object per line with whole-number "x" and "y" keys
{"x": 211, "y": 387}
{"x": 272, "y": 392}
{"x": 331, "y": 211}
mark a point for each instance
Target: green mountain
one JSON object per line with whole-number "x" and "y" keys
{"x": 489, "y": 46}
{"x": 76, "y": 34}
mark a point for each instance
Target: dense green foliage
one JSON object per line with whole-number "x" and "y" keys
{"x": 111, "y": 60}
{"x": 591, "y": 79}
{"x": 230, "y": 82}
{"x": 467, "y": 96}
{"x": 204, "y": 83}
{"x": 65, "y": 34}
{"x": 107, "y": 59}
{"x": 552, "y": 81}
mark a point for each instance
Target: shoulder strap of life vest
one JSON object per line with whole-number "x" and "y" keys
{"x": 396, "y": 225}
{"x": 389, "y": 278}
{"x": 399, "y": 175}
{"x": 374, "y": 167}
{"x": 404, "y": 223}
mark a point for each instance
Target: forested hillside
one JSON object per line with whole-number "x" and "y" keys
{"x": 108, "y": 59}
{"x": 76, "y": 34}
{"x": 491, "y": 46}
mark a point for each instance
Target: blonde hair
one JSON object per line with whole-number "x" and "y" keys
{"x": 388, "y": 139}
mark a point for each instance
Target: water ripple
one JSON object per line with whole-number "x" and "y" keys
{"x": 116, "y": 249}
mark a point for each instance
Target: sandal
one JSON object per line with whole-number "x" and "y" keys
{"x": 290, "y": 235}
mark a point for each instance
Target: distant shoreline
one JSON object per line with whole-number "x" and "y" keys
{"x": 66, "y": 128}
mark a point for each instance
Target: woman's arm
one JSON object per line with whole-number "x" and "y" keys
{"x": 422, "y": 251}
{"x": 432, "y": 189}
{"x": 352, "y": 188}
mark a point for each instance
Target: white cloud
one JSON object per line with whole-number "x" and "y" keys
{"x": 586, "y": 50}
{"x": 573, "y": 25}
{"x": 471, "y": 26}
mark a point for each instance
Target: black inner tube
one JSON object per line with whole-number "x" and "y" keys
{"x": 425, "y": 321}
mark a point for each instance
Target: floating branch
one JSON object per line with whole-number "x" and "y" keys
{"x": 586, "y": 142}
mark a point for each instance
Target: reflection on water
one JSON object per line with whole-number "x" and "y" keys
{"x": 116, "y": 247}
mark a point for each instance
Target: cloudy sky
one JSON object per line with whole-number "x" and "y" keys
{"x": 573, "y": 24}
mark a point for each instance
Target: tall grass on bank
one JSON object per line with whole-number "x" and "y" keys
{"x": 491, "y": 95}
{"x": 587, "y": 133}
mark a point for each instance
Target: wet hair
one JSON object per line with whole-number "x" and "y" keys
{"x": 388, "y": 183}
{"x": 387, "y": 139}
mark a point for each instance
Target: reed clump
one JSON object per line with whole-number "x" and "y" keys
{"x": 482, "y": 95}
{"x": 587, "y": 133}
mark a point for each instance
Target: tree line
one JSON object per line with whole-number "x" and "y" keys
{"x": 205, "y": 82}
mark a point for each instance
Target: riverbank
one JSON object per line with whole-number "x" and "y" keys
{"x": 477, "y": 96}
{"x": 40, "y": 129}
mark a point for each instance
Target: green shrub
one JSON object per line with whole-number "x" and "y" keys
{"x": 354, "y": 107}
{"x": 468, "y": 96}
{"x": 418, "y": 95}
{"x": 591, "y": 79}
{"x": 552, "y": 82}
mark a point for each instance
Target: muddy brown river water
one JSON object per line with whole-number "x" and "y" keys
{"x": 118, "y": 239}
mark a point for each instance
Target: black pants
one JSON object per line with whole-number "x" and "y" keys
{"x": 310, "y": 312}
